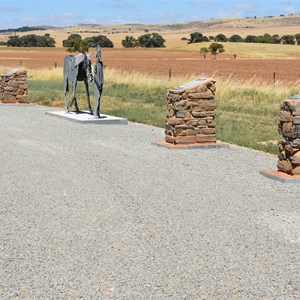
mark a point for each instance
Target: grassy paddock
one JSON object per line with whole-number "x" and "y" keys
{"x": 246, "y": 115}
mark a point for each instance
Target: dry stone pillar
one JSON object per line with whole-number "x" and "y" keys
{"x": 13, "y": 86}
{"x": 191, "y": 113}
{"x": 289, "y": 141}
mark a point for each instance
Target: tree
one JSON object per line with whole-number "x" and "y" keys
{"x": 297, "y": 37}
{"x": 75, "y": 43}
{"x": 196, "y": 37}
{"x": 236, "y": 38}
{"x": 265, "y": 39}
{"x": 276, "y": 39}
{"x": 216, "y": 48}
{"x": 220, "y": 38}
{"x": 250, "y": 39}
{"x": 151, "y": 40}
{"x": 203, "y": 51}
{"x": 288, "y": 39}
{"x": 71, "y": 39}
{"x": 100, "y": 40}
{"x": 13, "y": 41}
{"x": 129, "y": 42}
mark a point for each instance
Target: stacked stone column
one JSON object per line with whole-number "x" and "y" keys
{"x": 13, "y": 86}
{"x": 289, "y": 141}
{"x": 191, "y": 113}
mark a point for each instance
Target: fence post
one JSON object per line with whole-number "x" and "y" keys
{"x": 170, "y": 74}
{"x": 274, "y": 77}
{"x": 55, "y": 65}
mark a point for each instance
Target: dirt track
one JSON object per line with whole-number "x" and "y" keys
{"x": 157, "y": 62}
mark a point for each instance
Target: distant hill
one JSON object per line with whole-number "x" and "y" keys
{"x": 24, "y": 29}
{"x": 172, "y": 32}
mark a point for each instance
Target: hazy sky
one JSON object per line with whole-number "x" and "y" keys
{"x": 70, "y": 12}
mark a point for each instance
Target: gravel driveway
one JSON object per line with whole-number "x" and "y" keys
{"x": 97, "y": 212}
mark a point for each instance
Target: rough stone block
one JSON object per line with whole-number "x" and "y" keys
{"x": 285, "y": 116}
{"x": 199, "y": 114}
{"x": 9, "y": 98}
{"x": 208, "y": 131}
{"x": 284, "y": 166}
{"x": 170, "y": 139}
{"x": 295, "y": 159}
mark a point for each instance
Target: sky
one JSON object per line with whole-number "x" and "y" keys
{"x": 14, "y": 14}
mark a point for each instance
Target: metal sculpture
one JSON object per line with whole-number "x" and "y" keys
{"x": 98, "y": 81}
{"x": 77, "y": 68}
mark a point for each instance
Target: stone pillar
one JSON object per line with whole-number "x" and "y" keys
{"x": 13, "y": 86}
{"x": 191, "y": 113}
{"x": 289, "y": 140}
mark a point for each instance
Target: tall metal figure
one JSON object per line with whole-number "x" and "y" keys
{"x": 98, "y": 81}
{"x": 77, "y": 68}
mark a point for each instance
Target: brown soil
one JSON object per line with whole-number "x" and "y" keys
{"x": 159, "y": 62}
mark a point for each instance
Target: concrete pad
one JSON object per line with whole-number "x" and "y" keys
{"x": 85, "y": 117}
{"x": 208, "y": 145}
{"x": 17, "y": 104}
{"x": 280, "y": 176}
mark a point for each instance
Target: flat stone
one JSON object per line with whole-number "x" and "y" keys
{"x": 185, "y": 139}
{"x": 183, "y": 114}
{"x": 207, "y": 130}
{"x": 85, "y": 117}
{"x": 200, "y": 114}
{"x": 296, "y": 120}
{"x": 204, "y": 138}
{"x": 206, "y": 95}
{"x": 174, "y": 121}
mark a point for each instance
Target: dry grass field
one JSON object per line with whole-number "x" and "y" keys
{"x": 253, "y": 60}
{"x": 157, "y": 62}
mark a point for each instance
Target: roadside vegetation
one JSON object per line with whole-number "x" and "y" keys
{"x": 246, "y": 115}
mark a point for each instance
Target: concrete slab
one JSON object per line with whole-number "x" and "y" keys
{"x": 217, "y": 144}
{"x": 17, "y": 104}
{"x": 86, "y": 118}
{"x": 280, "y": 176}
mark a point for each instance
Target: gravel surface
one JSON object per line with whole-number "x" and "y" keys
{"x": 97, "y": 212}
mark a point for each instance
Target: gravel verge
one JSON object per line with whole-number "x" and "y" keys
{"x": 98, "y": 212}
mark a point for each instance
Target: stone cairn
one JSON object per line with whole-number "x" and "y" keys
{"x": 190, "y": 113}
{"x": 289, "y": 141}
{"x": 13, "y": 86}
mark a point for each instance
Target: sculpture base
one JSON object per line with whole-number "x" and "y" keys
{"x": 280, "y": 176}
{"x": 85, "y": 117}
{"x": 207, "y": 145}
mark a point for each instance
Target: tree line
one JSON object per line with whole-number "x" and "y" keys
{"x": 31, "y": 40}
{"x": 149, "y": 40}
{"x": 75, "y": 43}
{"x": 198, "y": 37}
